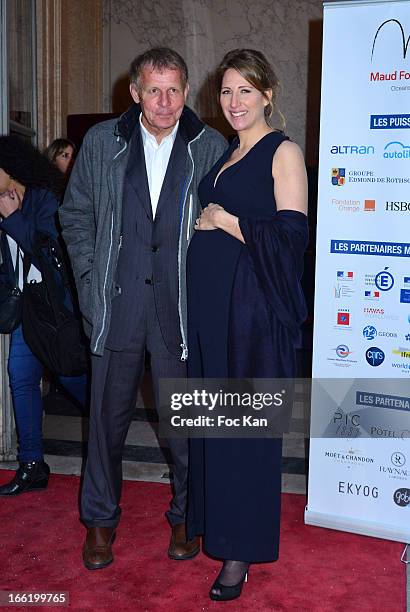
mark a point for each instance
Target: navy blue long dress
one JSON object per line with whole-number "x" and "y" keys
{"x": 245, "y": 307}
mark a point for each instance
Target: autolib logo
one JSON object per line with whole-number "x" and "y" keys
{"x": 384, "y": 280}
{"x": 402, "y": 497}
{"x": 352, "y": 150}
{"x": 389, "y": 122}
{"x": 369, "y": 332}
{"x": 396, "y": 150}
{"x": 374, "y": 356}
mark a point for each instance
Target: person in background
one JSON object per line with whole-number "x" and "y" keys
{"x": 61, "y": 153}
{"x": 30, "y": 188}
{"x": 245, "y": 308}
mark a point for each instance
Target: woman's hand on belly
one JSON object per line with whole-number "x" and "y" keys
{"x": 215, "y": 217}
{"x": 209, "y": 217}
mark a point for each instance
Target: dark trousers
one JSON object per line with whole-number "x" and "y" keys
{"x": 114, "y": 385}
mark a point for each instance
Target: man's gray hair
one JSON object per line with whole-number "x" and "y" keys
{"x": 159, "y": 58}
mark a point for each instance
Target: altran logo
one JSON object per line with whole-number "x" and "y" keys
{"x": 374, "y": 356}
{"x": 352, "y": 150}
{"x": 369, "y": 332}
{"x": 396, "y": 150}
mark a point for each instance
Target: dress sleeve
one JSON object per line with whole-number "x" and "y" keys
{"x": 276, "y": 247}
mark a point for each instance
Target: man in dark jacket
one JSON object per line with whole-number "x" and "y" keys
{"x": 127, "y": 219}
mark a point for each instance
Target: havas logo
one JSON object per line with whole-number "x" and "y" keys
{"x": 396, "y": 30}
{"x": 352, "y": 150}
{"x": 396, "y": 150}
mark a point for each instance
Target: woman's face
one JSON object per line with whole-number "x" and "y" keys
{"x": 64, "y": 160}
{"x": 5, "y": 181}
{"x": 242, "y": 104}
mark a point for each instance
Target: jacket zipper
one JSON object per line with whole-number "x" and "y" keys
{"x": 105, "y": 284}
{"x": 189, "y": 217}
{"x": 184, "y": 346}
{"x": 108, "y": 263}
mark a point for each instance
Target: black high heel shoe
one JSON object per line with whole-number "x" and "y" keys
{"x": 226, "y": 593}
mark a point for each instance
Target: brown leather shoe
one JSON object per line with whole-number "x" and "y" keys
{"x": 97, "y": 552}
{"x": 179, "y": 548}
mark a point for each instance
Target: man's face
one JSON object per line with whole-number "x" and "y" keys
{"x": 162, "y": 96}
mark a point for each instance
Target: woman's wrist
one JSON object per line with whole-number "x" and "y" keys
{"x": 224, "y": 220}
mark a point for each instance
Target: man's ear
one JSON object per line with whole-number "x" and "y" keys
{"x": 134, "y": 93}
{"x": 186, "y": 91}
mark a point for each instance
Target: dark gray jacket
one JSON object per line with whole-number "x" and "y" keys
{"x": 91, "y": 215}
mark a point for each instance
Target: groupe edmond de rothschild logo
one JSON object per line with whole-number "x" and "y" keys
{"x": 397, "y": 33}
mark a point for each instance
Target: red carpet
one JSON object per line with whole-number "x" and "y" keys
{"x": 319, "y": 570}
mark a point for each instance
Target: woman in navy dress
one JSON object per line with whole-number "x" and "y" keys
{"x": 245, "y": 308}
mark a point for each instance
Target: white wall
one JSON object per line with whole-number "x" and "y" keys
{"x": 202, "y": 31}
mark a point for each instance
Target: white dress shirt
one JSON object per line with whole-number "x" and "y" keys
{"x": 156, "y": 161}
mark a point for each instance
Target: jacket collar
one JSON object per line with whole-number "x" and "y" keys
{"x": 189, "y": 124}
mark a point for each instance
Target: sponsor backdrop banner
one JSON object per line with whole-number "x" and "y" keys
{"x": 359, "y": 477}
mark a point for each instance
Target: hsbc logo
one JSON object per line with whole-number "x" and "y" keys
{"x": 398, "y": 206}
